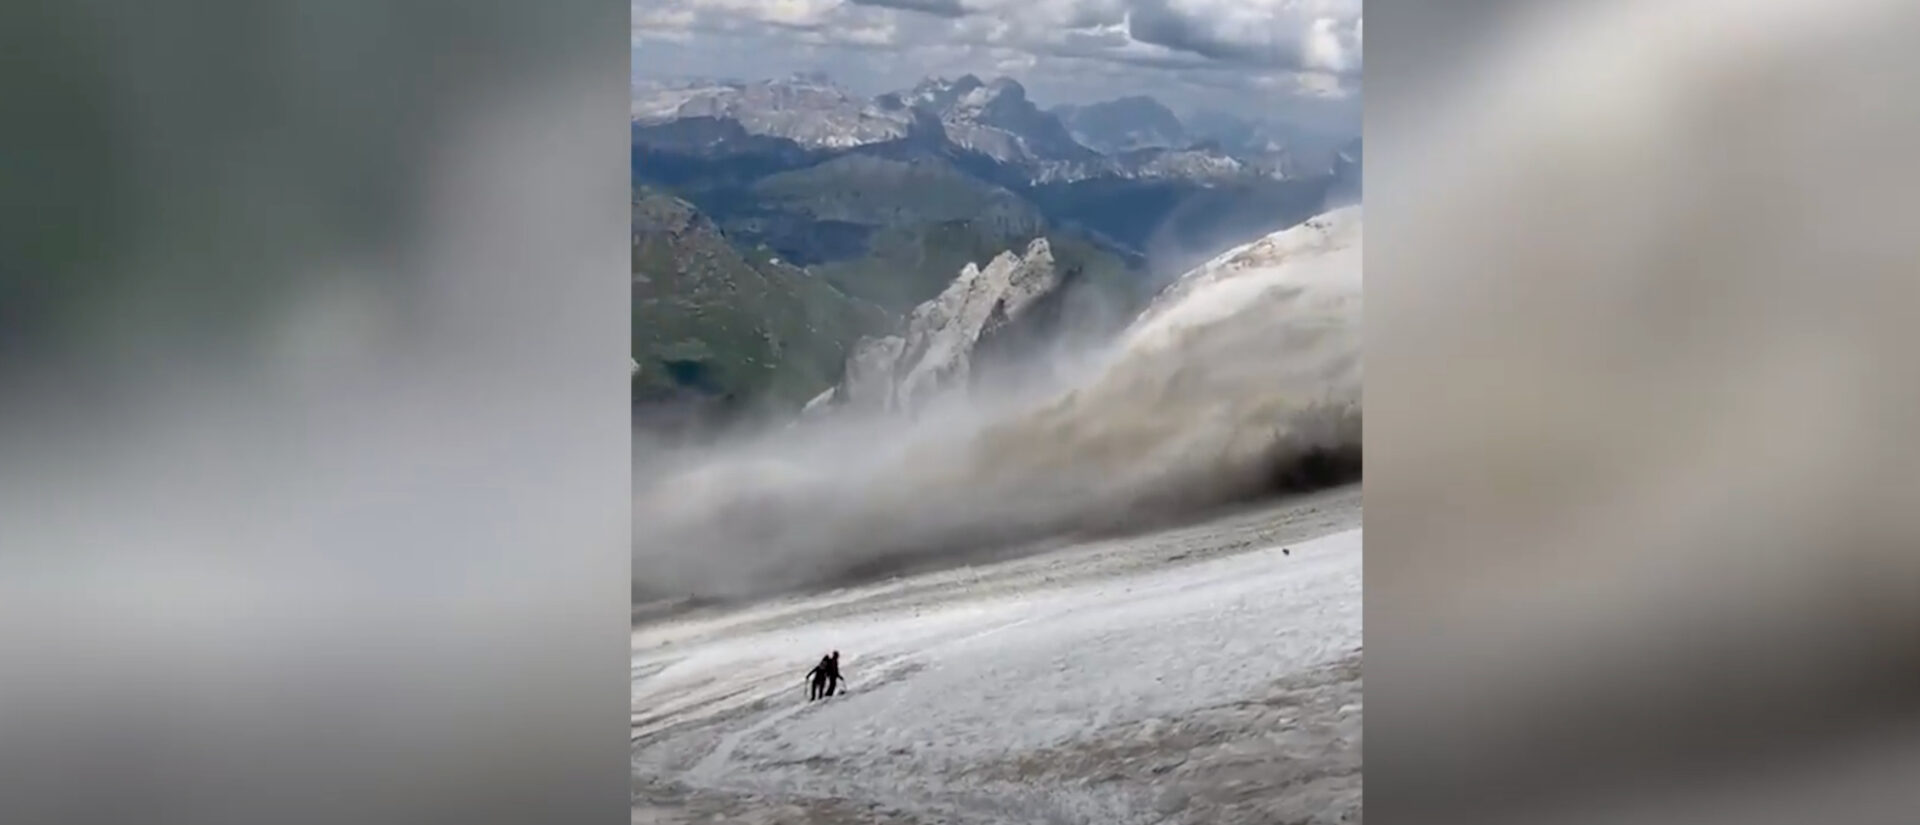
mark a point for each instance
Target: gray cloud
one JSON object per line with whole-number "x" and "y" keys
{"x": 1152, "y": 21}
{"x": 1092, "y": 15}
{"x": 1300, "y": 35}
{"x": 1304, "y": 43}
{"x": 938, "y": 8}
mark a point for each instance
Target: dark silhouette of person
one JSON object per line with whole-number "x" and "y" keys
{"x": 824, "y": 677}
{"x": 833, "y": 673}
{"x": 817, "y": 679}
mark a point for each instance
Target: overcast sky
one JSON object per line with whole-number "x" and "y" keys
{"x": 1296, "y": 59}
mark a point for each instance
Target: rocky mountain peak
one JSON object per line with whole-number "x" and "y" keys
{"x": 1007, "y": 87}
{"x": 1003, "y": 94}
{"x": 996, "y": 119}
{"x": 938, "y": 94}
{"x": 940, "y": 349}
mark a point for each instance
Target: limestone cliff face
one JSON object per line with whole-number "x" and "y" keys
{"x": 941, "y": 348}
{"x": 869, "y": 379}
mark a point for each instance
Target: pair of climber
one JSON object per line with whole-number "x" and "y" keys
{"x": 824, "y": 677}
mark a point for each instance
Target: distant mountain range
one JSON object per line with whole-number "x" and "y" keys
{"x": 1127, "y": 123}
{"x": 1129, "y": 137}
{"x": 862, "y": 208}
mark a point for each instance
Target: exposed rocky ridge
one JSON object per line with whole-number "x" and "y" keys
{"x": 1008, "y": 311}
{"x": 945, "y": 339}
{"x": 997, "y": 120}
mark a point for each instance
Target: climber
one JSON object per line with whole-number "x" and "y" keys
{"x": 824, "y": 677}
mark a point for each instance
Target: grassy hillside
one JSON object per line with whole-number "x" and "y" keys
{"x": 879, "y": 191}
{"x": 895, "y": 231}
{"x": 713, "y": 320}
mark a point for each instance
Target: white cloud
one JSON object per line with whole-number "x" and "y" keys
{"x": 1301, "y": 35}
{"x": 877, "y": 33}
{"x": 797, "y": 13}
{"x": 1331, "y": 49}
{"x": 663, "y": 24}
{"x": 1010, "y": 62}
{"x": 1274, "y": 48}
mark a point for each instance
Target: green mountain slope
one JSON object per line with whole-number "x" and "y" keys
{"x": 882, "y": 191}
{"x": 723, "y": 316}
{"x": 918, "y": 221}
{"x": 717, "y": 322}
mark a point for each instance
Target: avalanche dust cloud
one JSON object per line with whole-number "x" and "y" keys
{"x": 1241, "y": 379}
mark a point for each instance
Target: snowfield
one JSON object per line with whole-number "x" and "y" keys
{"x": 1194, "y": 675}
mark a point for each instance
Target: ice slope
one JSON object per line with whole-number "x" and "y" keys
{"x": 1017, "y": 704}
